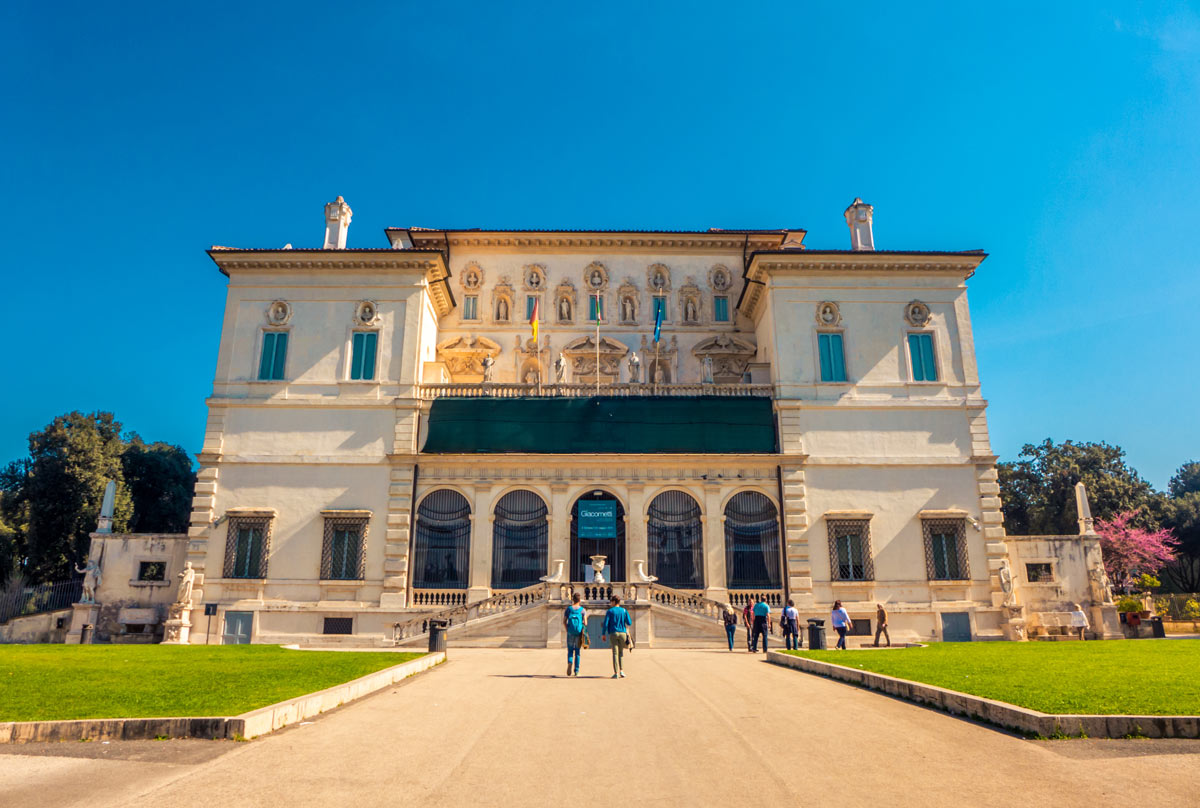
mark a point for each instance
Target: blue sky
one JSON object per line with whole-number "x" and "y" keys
{"x": 1061, "y": 138}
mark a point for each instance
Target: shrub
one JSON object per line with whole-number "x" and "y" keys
{"x": 1191, "y": 609}
{"x": 1128, "y": 603}
{"x": 1147, "y": 582}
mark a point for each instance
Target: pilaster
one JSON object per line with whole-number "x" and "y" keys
{"x": 715, "y": 580}
{"x": 204, "y": 496}
{"x": 396, "y": 537}
{"x": 794, "y": 520}
{"x": 479, "y": 581}
{"x": 637, "y": 542}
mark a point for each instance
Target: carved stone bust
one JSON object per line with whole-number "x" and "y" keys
{"x": 917, "y": 313}
{"x": 279, "y": 312}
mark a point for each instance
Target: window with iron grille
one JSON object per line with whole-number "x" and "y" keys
{"x": 675, "y": 540}
{"x": 343, "y": 551}
{"x": 1039, "y": 573}
{"x": 152, "y": 571}
{"x": 946, "y": 549}
{"x": 247, "y": 546}
{"x": 850, "y": 550}
{"x": 339, "y": 625}
{"x": 752, "y": 547}
{"x": 520, "y": 537}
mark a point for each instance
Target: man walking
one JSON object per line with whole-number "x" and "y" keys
{"x": 575, "y": 622}
{"x": 762, "y": 624}
{"x": 790, "y": 623}
{"x": 616, "y": 626}
{"x": 881, "y": 625}
{"x": 748, "y": 622}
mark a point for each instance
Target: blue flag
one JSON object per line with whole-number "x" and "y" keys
{"x": 659, "y": 308}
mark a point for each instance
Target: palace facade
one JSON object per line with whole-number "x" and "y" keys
{"x": 718, "y": 414}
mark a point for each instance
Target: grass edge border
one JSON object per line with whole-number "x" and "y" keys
{"x": 247, "y": 725}
{"x": 1028, "y": 722}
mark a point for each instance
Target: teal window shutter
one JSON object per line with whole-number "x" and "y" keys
{"x": 833, "y": 358}
{"x": 274, "y": 355}
{"x": 920, "y": 351}
{"x": 721, "y": 309}
{"x": 362, "y": 355}
{"x": 529, "y": 302}
{"x": 595, "y": 307}
{"x": 471, "y": 307}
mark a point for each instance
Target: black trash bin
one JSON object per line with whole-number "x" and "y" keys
{"x": 1157, "y": 629}
{"x": 437, "y": 635}
{"x": 816, "y": 634}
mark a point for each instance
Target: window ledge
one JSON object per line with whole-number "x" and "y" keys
{"x": 912, "y": 383}
{"x": 136, "y": 582}
{"x": 279, "y": 382}
{"x": 859, "y": 583}
{"x": 951, "y": 582}
{"x": 361, "y": 382}
{"x": 341, "y": 582}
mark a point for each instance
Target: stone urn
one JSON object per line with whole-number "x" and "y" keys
{"x": 598, "y": 562}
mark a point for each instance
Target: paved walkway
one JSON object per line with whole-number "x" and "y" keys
{"x": 688, "y": 728}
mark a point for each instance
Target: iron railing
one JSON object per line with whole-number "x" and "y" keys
{"x": 23, "y": 601}
{"x": 509, "y": 390}
{"x": 1178, "y": 607}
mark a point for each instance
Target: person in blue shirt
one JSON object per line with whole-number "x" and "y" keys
{"x": 616, "y": 625}
{"x": 841, "y": 623}
{"x": 762, "y": 624}
{"x": 575, "y": 622}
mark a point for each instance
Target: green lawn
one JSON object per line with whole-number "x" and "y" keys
{"x": 1133, "y": 677}
{"x": 51, "y": 682}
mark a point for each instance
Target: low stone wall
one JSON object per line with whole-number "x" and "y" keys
{"x": 36, "y": 628}
{"x": 247, "y": 725}
{"x": 1021, "y": 719}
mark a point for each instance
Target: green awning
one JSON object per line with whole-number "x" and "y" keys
{"x": 601, "y": 425}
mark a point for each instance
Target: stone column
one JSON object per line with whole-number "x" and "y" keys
{"x": 635, "y": 529}
{"x": 794, "y": 522}
{"x": 479, "y": 581}
{"x": 715, "y": 582}
{"x": 560, "y": 529}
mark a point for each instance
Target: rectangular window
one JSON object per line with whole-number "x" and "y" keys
{"x": 362, "y": 357}
{"x": 530, "y": 302}
{"x": 342, "y": 551}
{"x": 850, "y": 550}
{"x": 338, "y": 625}
{"x": 274, "y": 355}
{"x": 920, "y": 352}
{"x": 833, "y": 357}
{"x": 471, "y": 307}
{"x": 660, "y": 309}
{"x": 247, "y": 547}
{"x": 721, "y": 309}
{"x": 1039, "y": 573}
{"x": 946, "y": 549}
{"x": 152, "y": 571}
{"x": 595, "y": 308}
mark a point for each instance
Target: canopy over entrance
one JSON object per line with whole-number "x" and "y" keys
{"x": 602, "y": 424}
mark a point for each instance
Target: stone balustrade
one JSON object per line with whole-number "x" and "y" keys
{"x": 506, "y": 390}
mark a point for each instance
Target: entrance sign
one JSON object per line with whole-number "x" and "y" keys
{"x": 597, "y": 519}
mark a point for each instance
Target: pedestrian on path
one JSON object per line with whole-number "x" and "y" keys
{"x": 881, "y": 625}
{"x": 575, "y": 622}
{"x": 762, "y": 624}
{"x": 841, "y": 622}
{"x": 748, "y": 621}
{"x": 729, "y": 616}
{"x": 789, "y": 621}
{"x": 616, "y": 626}
{"x": 1079, "y": 621}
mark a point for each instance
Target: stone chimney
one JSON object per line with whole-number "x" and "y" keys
{"x": 858, "y": 219}
{"x": 337, "y": 222}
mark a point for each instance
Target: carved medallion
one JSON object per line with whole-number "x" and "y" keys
{"x": 279, "y": 312}
{"x": 366, "y": 312}
{"x": 828, "y": 314}
{"x": 917, "y": 313}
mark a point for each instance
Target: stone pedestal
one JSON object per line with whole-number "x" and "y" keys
{"x": 85, "y": 615}
{"x": 1106, "y": 623}
{"x": 178, "y": 627}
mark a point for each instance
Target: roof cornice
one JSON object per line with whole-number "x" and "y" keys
{"x": 430, "y": 263}
{"x": 766, "y": 262}
{"x": 596, "y": 241}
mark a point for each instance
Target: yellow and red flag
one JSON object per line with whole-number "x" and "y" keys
{"x": 533, "y": 318}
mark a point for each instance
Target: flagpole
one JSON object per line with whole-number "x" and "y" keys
{"x": 599, "y": 314}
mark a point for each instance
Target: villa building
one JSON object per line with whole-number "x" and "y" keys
{"x": 685, "y": 418}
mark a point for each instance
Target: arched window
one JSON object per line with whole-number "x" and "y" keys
{"x": 519, "y": 538}
{"x": 608, "y": 541}
{"x": 674, "y": 537}
{"x": 752, "y": 542}
{"x": 441, "y": 551}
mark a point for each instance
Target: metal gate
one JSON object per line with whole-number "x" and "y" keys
{"x": 237, "y": 628}
{"x": 956, "y": 627}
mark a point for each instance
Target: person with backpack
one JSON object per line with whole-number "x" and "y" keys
{"x": 575, "y": 622}
{"x": 762, "y": 624}
{"x": 729, "y": 617}
{"x": 789, "y": 622}
{"x": 616, "y": 626}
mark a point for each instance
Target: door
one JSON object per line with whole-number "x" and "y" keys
{"x": 237, "y": 628}
{"x": 956, "y": 627}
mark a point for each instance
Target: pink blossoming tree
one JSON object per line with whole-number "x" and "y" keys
{"x": 1130, "y": 551}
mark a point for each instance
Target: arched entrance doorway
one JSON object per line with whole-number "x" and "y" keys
{"x": 597, "y": 528}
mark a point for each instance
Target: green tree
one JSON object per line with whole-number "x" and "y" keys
{"x": 1186, "y": 480}
{"x": 1182, "y": 516}
{"x": 60, "y": 488}
{"x": 161, "y": 481}
{"x": 1038, "y": 490}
